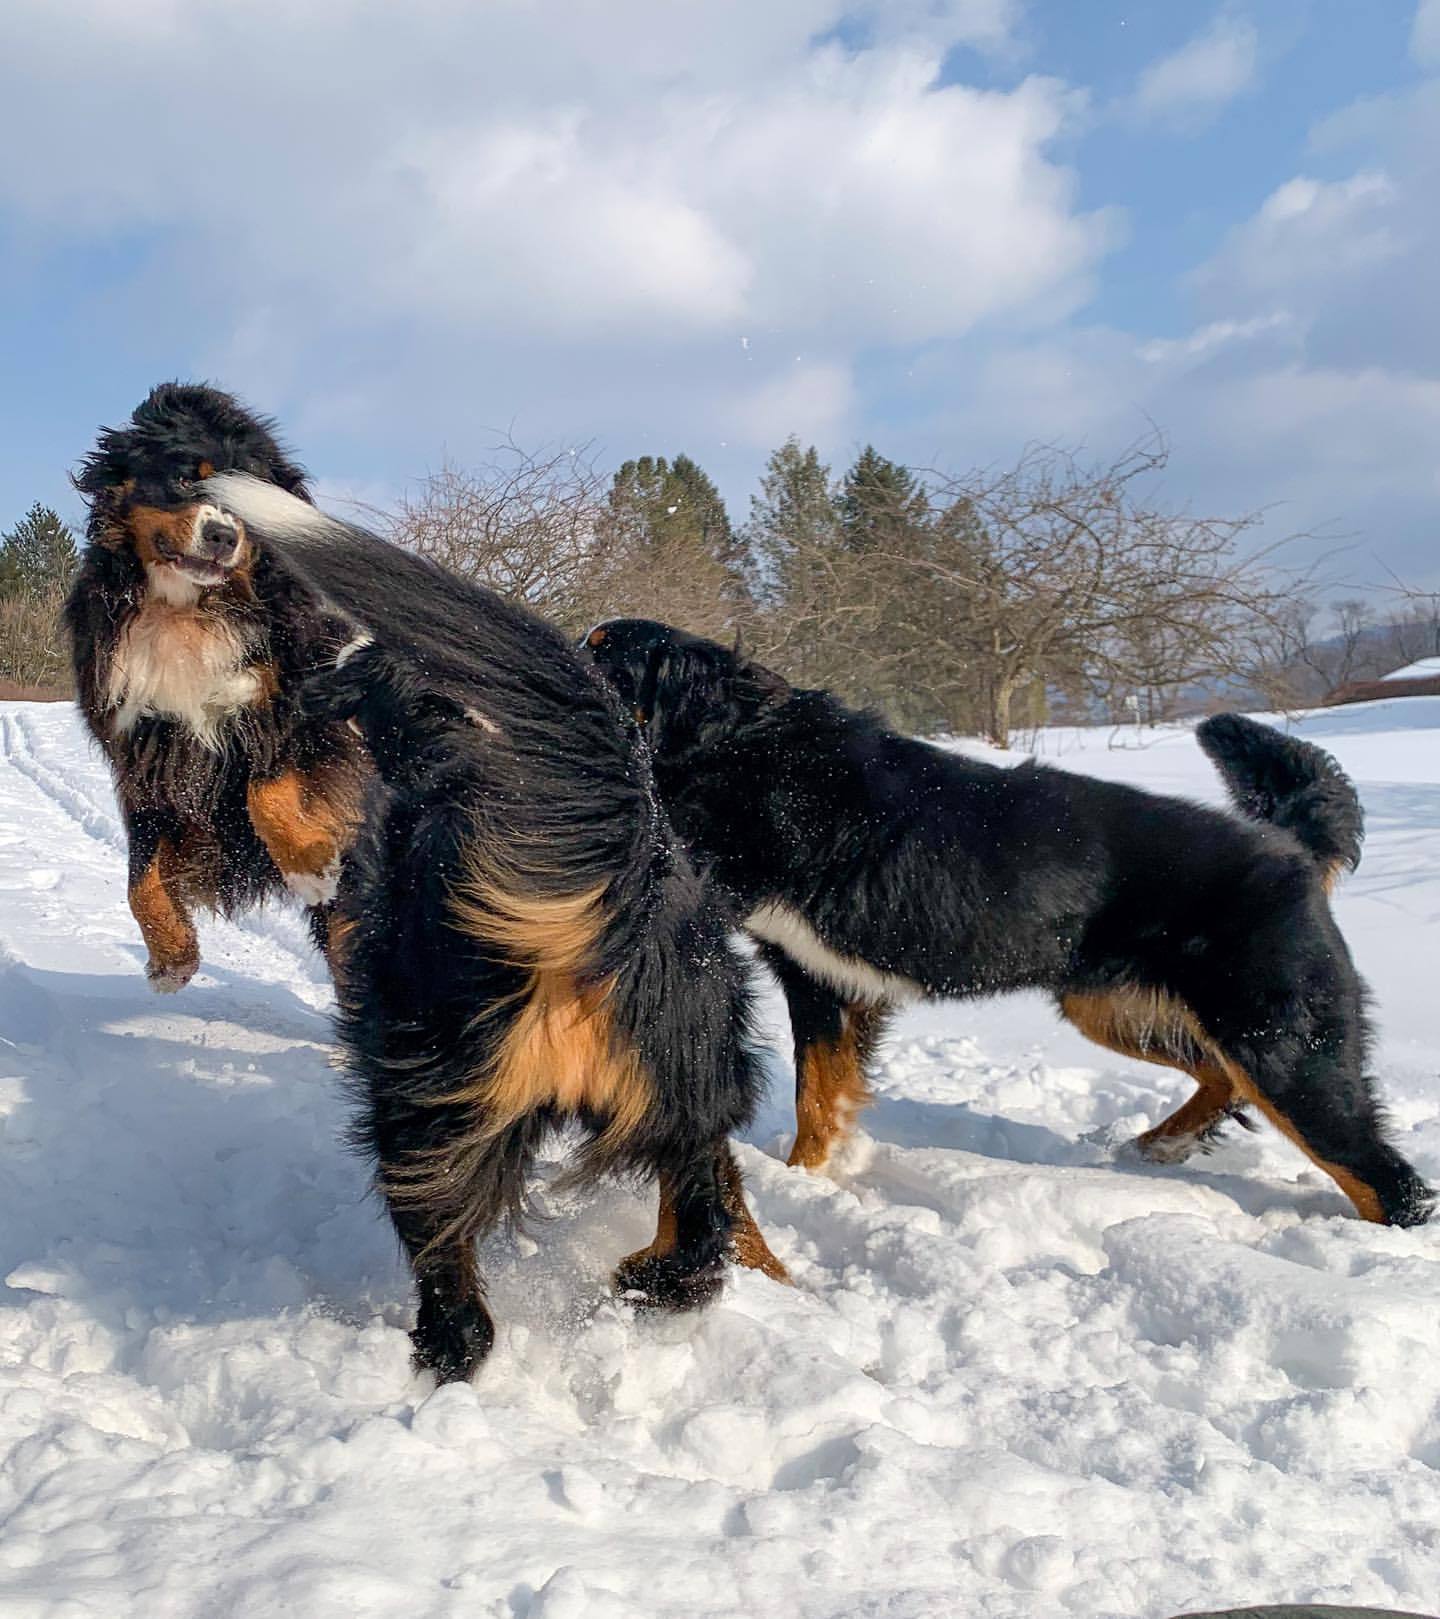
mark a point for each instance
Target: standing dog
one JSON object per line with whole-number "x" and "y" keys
{"x": 189, "y": 647}
{"x": 521, "y": 942}
{"x": 874, "y": 868}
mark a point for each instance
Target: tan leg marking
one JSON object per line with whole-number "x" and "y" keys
{"x": 831, "y": 1088}
{"x": 748, "y": 1245}
{"x": 1150, "y": 1026}
{"x": 1156, "y": 1028}
{"x": 1363, "y": 1196}
{"x": 302, "y": 822}
{"x": 157, "y": 904}
{"x": 666, "y": 1230}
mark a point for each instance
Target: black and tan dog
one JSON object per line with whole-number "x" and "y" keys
{"x": 520, "y": 940}
{"x": 189, "y": 647}
{"x": 874, "y": 868}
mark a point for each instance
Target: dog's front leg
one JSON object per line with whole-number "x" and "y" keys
{"x": 835, "y": 1038}
{"x": 304, "y": 832}
{"x": 157, "y": 902}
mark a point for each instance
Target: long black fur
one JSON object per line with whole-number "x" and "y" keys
{"x": 170, "y": 784}
{"x": 502, "y": 755}
{"x": 966, "y": 879}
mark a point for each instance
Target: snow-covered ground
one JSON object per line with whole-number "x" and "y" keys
{"x": 1015, "y": 1378}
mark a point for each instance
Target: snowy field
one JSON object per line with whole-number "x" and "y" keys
{"x": 1016, "y": 1378}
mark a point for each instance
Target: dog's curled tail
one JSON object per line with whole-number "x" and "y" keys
{"x": 1280, "y": 779}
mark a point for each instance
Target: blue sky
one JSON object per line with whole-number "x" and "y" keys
{"x": 947, "y": 226}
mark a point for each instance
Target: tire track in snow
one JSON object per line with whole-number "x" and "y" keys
{"x": 20, "y": 748}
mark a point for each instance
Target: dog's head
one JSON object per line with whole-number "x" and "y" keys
{"x": 146, "y": 486}
{"x": 685, "y": 692}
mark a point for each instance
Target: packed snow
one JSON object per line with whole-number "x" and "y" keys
{"x": 1016, "y": 1376}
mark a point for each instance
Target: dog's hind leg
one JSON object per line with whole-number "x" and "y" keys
{"x": 447, "y": 1183}
{"x": 685, "y": 1264}
{"x": 1286, "y": 1015}
{"x": 834, "y": 1041}
{"x": 1150, "y": 1026}
{"x": 1326, "y": 1106}
{"x": 748, "y": 1247}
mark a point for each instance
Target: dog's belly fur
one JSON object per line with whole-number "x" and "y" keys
{"x": 175, "y": 662}
{"x": 787, "y": 930}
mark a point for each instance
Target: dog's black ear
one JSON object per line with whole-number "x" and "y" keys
{"x": 106, "y": 467}
{"x": 693, "y": 696}
{"x": 763, "y": 686}
{"x": 291, "y": 477}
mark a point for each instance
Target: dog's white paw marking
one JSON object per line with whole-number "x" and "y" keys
{"x": 166, "y": 980}
{"x": 357, "y": 643}
{"x": 315, "y": 887}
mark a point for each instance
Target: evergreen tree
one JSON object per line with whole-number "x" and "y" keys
{"x": 668, "y": 544}
{"x": 880, "y": 503}
{"x": 38, "y": 554}
{"x": 793, "y": 521}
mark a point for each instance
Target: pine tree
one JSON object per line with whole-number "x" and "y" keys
{"x": 880, "y": 503}
{"x": 793, "y": 520}
{"x": 37, "y": 555}
{"x": 668, "y": 545}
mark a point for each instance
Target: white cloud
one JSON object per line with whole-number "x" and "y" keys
{"x": 1208, "y": 340}
{"x": 1307, "y": 236}
{"x": 552, "y": 216}
{"x": 815, "y": 400}
{"x": 1425, "y": 34}
{"x": 1193, "y": 83}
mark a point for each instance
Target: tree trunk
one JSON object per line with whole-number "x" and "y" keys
{"x": 998, "y": 724}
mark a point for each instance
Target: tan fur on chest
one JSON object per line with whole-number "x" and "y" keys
{"x": 184, "y": 664}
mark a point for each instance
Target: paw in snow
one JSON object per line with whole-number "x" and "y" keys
{"x": 1153, "y": 1149}
{"x": 174, "y": 975}
{"x": 315, "y": 887}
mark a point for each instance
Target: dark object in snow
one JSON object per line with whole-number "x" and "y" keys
{"x": 520, "y": 941}
{"x": 1304, "y": 1613}
{"x": 189, "y": 645}
{"x": 872, "y": 867}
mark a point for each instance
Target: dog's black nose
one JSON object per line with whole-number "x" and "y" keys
{"x": 217, "y": 540}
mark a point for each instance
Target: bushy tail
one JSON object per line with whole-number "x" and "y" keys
{"x": 1280, "y": 779}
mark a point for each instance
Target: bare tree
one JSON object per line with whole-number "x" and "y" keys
{"x": 524, "y": 523}
{"x": 1058, "y": 570}
{"x": 34, "y": 653}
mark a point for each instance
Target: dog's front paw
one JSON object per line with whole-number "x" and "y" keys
{"x": 168, "y": 976}
{"x": 315, "y": 887}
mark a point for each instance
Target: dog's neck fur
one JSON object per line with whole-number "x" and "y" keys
{"x": 182, "y": 656}
{"x": 740, "y": 791}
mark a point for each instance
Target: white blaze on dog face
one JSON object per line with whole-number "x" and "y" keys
{"x": 185, "y": 550}
{"x": 787, "y": 930}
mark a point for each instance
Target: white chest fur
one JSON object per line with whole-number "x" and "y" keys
{"x": 787, "y": 930}
{"x": 183, "y": 664}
